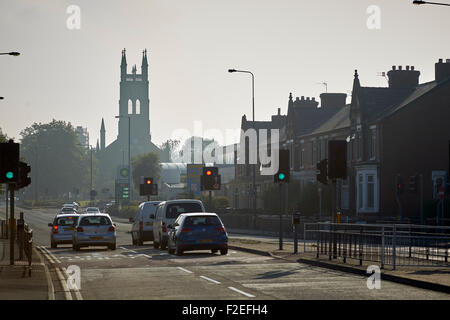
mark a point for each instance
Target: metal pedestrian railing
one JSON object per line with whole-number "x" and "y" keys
{"x": 387, "y": 244}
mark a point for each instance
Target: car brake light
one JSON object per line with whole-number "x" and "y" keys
{"x": 55, "y": 229}
{"x": 79, "y": 229}
{"x": 186, "y": 229}
{"x": 221, "y": 229}
{"x": 111, "y": 229}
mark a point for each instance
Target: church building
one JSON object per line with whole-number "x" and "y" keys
{"x": 134, "y": 124}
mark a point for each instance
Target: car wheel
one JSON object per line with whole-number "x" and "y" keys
{"x": 163, "y": 245}
{"x": 112, "y": 246}
{"x": 155, "y": 245}
{"x": 224, "y": 251}
{"x": 171, "y": 251}
{"x": 214, "y": 251}
{"x": 178, "y": 251}
{"x": 77, "y": 248}
{"x": 53, "y": 245}
{"x": 132, "y": 240}
{"x": 140, "y": 242}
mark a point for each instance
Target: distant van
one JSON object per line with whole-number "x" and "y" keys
{"x": 166, "y": 213}
{"x": 142, "y": 228}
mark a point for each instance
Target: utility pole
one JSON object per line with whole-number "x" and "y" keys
{"x": 11, "y": 224}
{"x": 6, "y": 209}
{"x": 281, "y": 217}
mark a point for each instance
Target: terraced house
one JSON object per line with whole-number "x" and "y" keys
{"x": 395, "y": 134}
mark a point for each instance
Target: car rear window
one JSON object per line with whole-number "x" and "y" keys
{"x": 89, "y": 221}
{"x": 202, "y": 221}
{"x": 150, "y": 208}
{"x": 175, "y": 209}
{"x": 66, "y": 221}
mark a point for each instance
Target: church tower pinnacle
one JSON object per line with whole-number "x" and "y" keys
{"x": 102, "y": 136}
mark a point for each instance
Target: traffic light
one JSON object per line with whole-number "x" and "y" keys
{"x": 412, "y": 183}
{"x": 210, "y": 179}
{"x": 148, "y": 188}
{"x": 337, "y": 154}
{"x": 9, "y": 162}
{"x": 284, "y": 169}
{"x": 322, "y": 174}
{"x": 23, "y": 179}
{"x": 399, "y": 184}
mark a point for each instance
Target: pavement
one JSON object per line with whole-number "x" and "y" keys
{"x": 15, "y": 281}
{"x": 431, "y": 278}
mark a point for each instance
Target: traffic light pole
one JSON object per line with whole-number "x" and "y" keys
{"x": 281, "y": 216}
{"x": 6, "y": 208}
{"x": 11, "y": 225}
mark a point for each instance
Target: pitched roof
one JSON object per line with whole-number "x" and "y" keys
{"x": 306, "y": 119}
{"x": 339, "y": 120}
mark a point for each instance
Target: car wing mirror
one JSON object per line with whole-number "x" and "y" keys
{"x": 50, "y": 224}
{"x": 152, "y": 216}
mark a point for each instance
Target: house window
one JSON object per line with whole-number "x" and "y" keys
{"x": 359, "y": 138}
{"x": 360, "y": 194}
{"x": 302, "y": 155}
{"x": 373, "y": 143}
{"x": 367, "y": 190}
{"x": 313, "y": 158}
{"x": 370, "y": 191}
{"x": 319, "y": 156}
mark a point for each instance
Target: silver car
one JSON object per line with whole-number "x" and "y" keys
{"x": 94, "y": 230}
{"x": 62, "y": 229}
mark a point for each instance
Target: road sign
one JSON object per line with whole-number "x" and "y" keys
{"x": 194, "y": 173}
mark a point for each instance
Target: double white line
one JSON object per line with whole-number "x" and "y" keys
{"x": 61, "y": 275}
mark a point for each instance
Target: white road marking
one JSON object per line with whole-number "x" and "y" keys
{"x": 213, "y": 281}
{"x": 242, "y": 292}
{"x": 185, "y": 270}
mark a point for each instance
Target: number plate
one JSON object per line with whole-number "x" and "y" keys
{"x": 69, "y": 229}
{"x": 204, "y": 241}
{"x": 149, "y": 224}
{"x": 95, "y": 238}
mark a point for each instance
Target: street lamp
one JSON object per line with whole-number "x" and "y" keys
{"x": 418, "y": 2}
{"x": 253, "y": 112}
{"x": 10, "y": 53}
{"x": 129, "y": 153}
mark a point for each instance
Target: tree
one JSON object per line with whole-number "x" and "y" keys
{"x": 145, "y": 165}
{"x": 170, "y": 147}
{"x": 59, "y": 165}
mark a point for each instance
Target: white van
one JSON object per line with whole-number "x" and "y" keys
{"x": 142, "y": 228}
{"x": 166, "y": 213}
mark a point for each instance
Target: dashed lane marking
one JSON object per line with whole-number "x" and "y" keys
{"x": 209, "y": 279}
{"x": 185, "y": 270}
{"x": 241, "y": 292}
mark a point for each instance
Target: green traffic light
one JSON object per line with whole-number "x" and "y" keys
{"x": 281, "y": 176}
{"x": 9, "y": 175}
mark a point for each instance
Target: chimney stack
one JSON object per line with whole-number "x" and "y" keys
{"x": 332, "y": 100}
{"x": 403, "y": 79}
{"x": 442, "y": 70}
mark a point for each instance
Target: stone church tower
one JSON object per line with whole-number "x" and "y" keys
{"x": 133, "y": 118}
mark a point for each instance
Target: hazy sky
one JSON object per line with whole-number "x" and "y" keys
{"x": 290, "y": 46}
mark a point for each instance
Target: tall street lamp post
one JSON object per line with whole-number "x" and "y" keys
{"x": 253, "y": 113}
{"x": 129, "y": 155}
{"x": 417, "y": 2}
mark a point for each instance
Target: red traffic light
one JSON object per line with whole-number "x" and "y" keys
{"x": 208, "y": 173}
{"x": 148, "y": 181}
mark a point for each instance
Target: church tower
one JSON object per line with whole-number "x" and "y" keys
{"x": 102, "y": 136}
{"x": 134, "y": 103}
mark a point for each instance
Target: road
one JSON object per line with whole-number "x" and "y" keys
{"x": 142, "y": 272}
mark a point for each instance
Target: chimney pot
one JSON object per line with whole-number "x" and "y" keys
{"x": 412, "y": 67}
{"x": 307, "y": 98}
{"x": 296, "y": 99}
{"x": 279, "y": 111}
{"x": 440, "y": 60}
{"x": 303, "y": 97}
{"x": 407, "y": 67}
{"x": 399, "y": 67}
{"x": 447, "y": 60}
{"x": 393, "y": 67}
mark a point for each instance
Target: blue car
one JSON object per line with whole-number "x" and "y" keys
{"x": 197, "y": 231}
